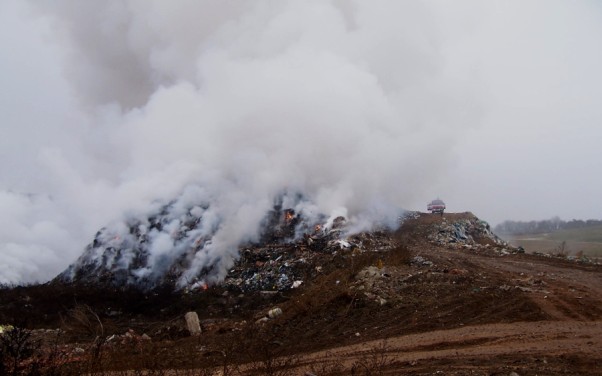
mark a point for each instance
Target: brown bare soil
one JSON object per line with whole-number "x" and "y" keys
{"x": 563, "y": 336}
{"x": 418, "y": 308}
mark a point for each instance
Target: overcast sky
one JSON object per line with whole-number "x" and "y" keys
{"x": 107, "y": 106}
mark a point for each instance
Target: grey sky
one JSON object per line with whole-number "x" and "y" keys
{"x": 107, "y": 106}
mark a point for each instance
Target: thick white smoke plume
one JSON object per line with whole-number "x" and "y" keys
{"x": 352, "y": 103}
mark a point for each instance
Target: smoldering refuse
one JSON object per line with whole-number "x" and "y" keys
{"x": 179, "y": 244}
{"x": 349, "y": 105}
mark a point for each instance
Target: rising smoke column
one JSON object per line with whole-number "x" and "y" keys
{"x": 347, "y": 102}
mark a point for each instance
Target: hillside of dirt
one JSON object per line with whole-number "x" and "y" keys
{"x": 440, "y": 295}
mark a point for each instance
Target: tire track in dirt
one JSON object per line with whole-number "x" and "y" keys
{"x": 563, "y": 290}
{"x": 491, "y": 344}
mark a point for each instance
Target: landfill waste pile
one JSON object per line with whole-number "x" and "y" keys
{"x": 175, "y": 245}
{"x": 160, "y": 249}
{"x": 292, "y": 248}
{"x": 285, "y": 266}
{"x": 469, "y": 231}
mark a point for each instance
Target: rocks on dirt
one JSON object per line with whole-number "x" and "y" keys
{"x": 130, "y": 337}
{"x": 192, "y": 323}
{"x": 421, "y": 261}
{"x": 378, "y": 284}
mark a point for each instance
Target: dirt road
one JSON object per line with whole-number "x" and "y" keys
{"x": 569, "y": 342}
{"x": 549, "y": 347}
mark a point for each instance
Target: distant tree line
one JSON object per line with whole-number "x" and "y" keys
{"x": 541, "y": 227}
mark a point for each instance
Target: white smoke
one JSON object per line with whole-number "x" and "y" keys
{"x": 350, "y": 103}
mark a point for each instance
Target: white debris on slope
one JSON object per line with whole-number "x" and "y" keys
{"x": 173, "y": 246}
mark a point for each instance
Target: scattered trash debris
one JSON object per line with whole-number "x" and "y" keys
{"x": 5, "y": 328}
{"x": 270, "y": 315}
{"x": 274, "y": 312}
{"x": 262, "y": 320}
{"x": 421, "y": 261}
{"x": 469, "y": 233}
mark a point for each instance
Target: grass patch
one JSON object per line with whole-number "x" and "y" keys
{"x": 588, "y": 234}
{"x": 590, "y": 249}
{"x": 586, "y": 241}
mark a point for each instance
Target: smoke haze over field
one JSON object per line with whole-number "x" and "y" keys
{"x": 110, "y": 107}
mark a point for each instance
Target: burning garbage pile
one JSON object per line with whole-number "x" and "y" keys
{"x": 271, "y": 268}
{"x": 281, "y": 267}
{"x": 164, "y": 247}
